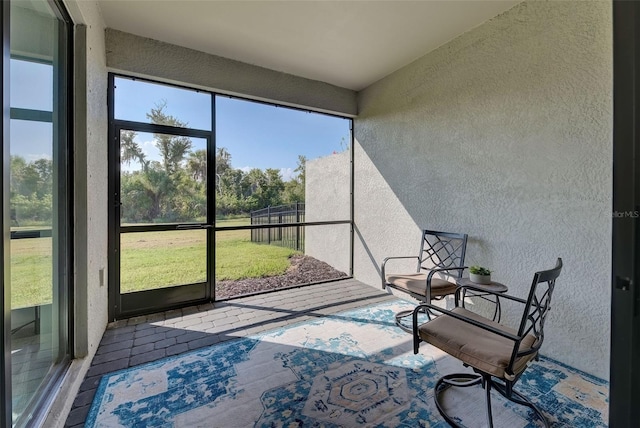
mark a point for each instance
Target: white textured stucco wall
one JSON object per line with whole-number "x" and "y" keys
{"x": 140, "y": 56}
{"x": 328, "y": 198}
{"x": 90, "y": 311}
{"x": 505, "y": 133}
{"x": 97, "y": 175}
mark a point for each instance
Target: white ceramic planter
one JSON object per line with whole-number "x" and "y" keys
{"x": 480, "y": 279}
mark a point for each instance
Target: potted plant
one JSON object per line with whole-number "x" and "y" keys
{"x": 480, "y": 275}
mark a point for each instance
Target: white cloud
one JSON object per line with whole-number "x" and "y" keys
{"x": 150, "y": 150}
{"x": 133, "y": 165}
{"x": 33, "y": 157}
{"x": 287, "y": 174}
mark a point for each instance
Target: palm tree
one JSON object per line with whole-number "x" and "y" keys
{"x": 223, "y": 160}
{"x": 130, "y": 150}
{"x": 173, "y": 149}
{"x": 197, "y": 165}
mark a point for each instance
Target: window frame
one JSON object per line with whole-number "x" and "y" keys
{"x": 115, "y": 125}
{"x": 61, "y": 118}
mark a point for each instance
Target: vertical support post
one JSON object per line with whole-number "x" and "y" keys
{"x": 253, "y": 234}
{"x": 269, "y": 221}
{"x": 625, "y": 275}
{"x": 79, "y": 311}
{"x": 297, "y": 227}
{"x": 5, "y": 276}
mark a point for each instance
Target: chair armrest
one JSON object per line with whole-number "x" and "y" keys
{"x": 383, "y": 267}
{"x": 446, "y": 312}
{"x": 443, "y": 271}
{"x": 384, "y": 262}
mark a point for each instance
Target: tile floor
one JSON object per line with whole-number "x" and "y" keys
{"x": 144, "y": 339}
{"x": 140, "y": 340}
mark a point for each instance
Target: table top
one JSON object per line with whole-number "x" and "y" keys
{"x": 494, "y": 287}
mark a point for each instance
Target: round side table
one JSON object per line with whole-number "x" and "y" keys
{"x": 483, "y": 291}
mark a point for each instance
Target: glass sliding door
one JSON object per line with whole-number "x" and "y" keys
{"x": 162, "y": 223}
{"x": 39, "y": 207}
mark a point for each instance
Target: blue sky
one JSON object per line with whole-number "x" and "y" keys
{"x": 256, "y": 135}
{"x": 31, "y": 88}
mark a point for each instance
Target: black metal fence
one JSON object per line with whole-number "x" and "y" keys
{"x": 284, "y": 236}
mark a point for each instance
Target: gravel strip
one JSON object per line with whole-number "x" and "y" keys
{"x": 303, "y": 270}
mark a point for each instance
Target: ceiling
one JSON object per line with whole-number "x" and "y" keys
{"x": 350, "y": 44}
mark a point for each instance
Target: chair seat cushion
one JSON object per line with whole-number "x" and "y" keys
{"x": 479, "y": 348}
{"x": 416, "y": 283}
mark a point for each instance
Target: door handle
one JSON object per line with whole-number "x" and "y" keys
{"x": 623, "y": 284}
{"x": 194, "y": 226}
{"x": 189, "y": 226}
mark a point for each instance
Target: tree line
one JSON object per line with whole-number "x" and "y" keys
{"x": 172, "y": 189}
{"x": 239, "y": 192}
{"x": 30, "y": 191}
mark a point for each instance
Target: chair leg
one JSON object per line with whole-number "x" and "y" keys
{"x": 514, "y": 396}
{"x": 414, "y": 330}
{"x": 486, "y": 384}
{"x": 460, "y": 380}
{"x": 463, "y": 380}
{"x": 415, "y": 333}
{"x": 402, "y": 315}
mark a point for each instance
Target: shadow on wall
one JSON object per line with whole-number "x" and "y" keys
{"x": 328, "y": 198}
{"x": 375, "y": 263}
{"x": 504, "y": 134}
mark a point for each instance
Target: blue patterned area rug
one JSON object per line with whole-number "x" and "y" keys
{"x": 351, "y": 369}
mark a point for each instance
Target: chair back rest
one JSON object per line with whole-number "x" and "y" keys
{"x": 442, "y": 250}
{"x": 537, "y": 307}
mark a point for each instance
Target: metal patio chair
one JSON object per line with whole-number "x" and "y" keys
{"x": 497, "y": 354}
{"x": 439, "y": 263}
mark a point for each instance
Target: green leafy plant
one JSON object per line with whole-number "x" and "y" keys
{"x": 479, "y": 270}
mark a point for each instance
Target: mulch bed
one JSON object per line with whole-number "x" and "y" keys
{"x": 303, "y": 270}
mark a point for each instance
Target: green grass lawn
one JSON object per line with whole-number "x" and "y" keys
{"x": 31, "y": 272}
{"x": 239, "y": 259}
{"x": 153, "y": 260}
{"x": 233, "y": 235}
{"x": 162, "y": 259}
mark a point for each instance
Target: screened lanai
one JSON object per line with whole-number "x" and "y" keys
{"x": 176, "y": 157}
